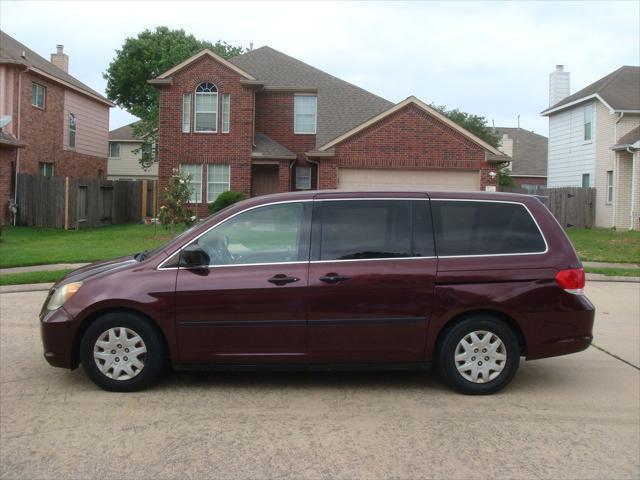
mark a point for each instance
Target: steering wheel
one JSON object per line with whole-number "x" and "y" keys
{"x": 218, "y": 251}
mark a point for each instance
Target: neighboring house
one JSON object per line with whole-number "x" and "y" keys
{"x": 55, "y": 124}
{"x": 264, "y": 122}
{"x": 593, "y": 142}
{"x": 125, "y": 151}
{"x": 528, "y": 152}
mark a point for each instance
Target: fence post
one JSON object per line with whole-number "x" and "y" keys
{"x": 143, "y": 208}
{"x": 155, "y": 198}
{"x": 66, "y": 203}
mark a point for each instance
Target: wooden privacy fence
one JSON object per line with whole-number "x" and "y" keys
{"x": 572, "y": 206}
{"x": 64, "y": 202}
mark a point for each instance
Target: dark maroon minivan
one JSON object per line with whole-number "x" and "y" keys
{"x": 468, "y": 282}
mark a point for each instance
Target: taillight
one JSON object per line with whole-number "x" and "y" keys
{"x": 572, "y": 280}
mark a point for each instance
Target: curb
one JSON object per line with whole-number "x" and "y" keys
{"x": 598, "y": 277}
{"x": 27, "y": 287}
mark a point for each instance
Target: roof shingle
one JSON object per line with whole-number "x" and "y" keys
{"x": 530, "y": 151}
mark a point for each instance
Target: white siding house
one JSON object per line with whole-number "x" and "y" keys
{"x": 592, "y": 142}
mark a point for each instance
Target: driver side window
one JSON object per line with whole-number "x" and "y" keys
{"x": 269, "y": 234}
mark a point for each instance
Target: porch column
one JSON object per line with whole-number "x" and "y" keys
{"x": 284, "y": 176}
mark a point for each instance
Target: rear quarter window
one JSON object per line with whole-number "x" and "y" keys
{"x": 464, "y": 228}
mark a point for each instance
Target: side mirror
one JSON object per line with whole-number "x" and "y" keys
{"x": 192, "y": 256}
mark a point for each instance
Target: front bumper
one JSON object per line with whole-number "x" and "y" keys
{"x": 57, "y": 331}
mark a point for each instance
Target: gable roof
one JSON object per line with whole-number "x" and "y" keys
{"x": 619, "y": 91}
{"x": 341, "y": 105}
{"x": 124, "y": 134}
{"x": 530, "y": 151}
{"x": 424, "y": 107}
{"x": 630, "y": 140}
{"x": 11, "y": 52}
{"x": 200, "y": 54}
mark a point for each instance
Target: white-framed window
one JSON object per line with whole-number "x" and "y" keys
{"x": 609, "y": 186}
{"x": 586, "y": 180}
{"x": 305, "y": 113}
{"x": 45, "y": 169}
{"x": 195, "y": 182}
{"x": 186, "y": 113}
{"x": 303, "y": 178}
{"x": 218, "y": 178}
{"x": 72, "y": 130}
{"x": 226, "y": 112}
{"x": 114, "y": 150}
{"x": 206, "y": 111}
{"x": 588, "y": 122}
{"x": 38, "y": 93}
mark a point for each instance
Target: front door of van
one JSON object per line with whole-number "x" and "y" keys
{"x": 248, "y": 306}
{"x": 371, "y": 280}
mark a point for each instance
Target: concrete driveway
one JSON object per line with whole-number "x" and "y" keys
{"x": 569, "y": 417}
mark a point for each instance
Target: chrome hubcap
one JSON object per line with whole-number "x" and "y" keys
{"x": 480, "y": 356}
{"x": 120, "y": 353}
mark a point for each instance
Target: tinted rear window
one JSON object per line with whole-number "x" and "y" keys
{"x": 484, "y": 228}
{"x": 364, "y": 229}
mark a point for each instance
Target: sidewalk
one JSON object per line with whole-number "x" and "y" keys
{"x": 42, "y": 268}
{"x": 609, "y": 265}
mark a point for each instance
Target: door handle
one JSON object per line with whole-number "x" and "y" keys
{"x": 334, "y": 278}
{"x": 282, "y": 279}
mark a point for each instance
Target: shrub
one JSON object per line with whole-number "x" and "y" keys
{"x": 225, "y": 199}
{"x": 176, "y": 197}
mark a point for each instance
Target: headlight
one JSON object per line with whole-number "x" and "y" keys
{"x": 62, "y": 294}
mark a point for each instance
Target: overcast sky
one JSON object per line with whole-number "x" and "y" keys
{"x": 487, "y": 58}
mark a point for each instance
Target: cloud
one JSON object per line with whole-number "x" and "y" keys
{"x": 488, "y": 58}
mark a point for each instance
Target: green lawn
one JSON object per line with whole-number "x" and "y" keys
{"x": 32, "y": 277}
{"x": 601, "y": 245}
{"x": 21, "y": 246}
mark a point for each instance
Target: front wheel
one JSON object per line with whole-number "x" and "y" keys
{"x": 122, "y": 352}
{"x": 478, "y": 356}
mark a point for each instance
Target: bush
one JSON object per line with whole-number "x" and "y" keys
{"x": 225, "y": 199}
{"x": 176, "y": 198}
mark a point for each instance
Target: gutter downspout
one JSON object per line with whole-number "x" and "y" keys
{"x": 615, "y": 172}
{"x": 317, "y": 164}
{"x": 18, "y": 123}
{"x": 634, "y": 156}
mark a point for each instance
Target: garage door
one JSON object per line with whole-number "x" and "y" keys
{"x": 434, "y": 180}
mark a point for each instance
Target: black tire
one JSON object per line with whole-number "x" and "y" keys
{"x": 154, "y": 357}
{"x": 446, "y": 352}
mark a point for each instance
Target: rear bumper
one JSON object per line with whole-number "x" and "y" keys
{"x": 564, "y": 332}
{"x": 56, "y": 331}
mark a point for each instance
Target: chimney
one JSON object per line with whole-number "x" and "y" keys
{"x": 558, "y": 85}
{"x": 60, "y": 59}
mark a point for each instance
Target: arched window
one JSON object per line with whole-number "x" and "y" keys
{"x": 206, "y": 111}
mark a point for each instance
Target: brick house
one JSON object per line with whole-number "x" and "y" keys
{"x": 53, "y": 123}
{"x": 264, "y": 122}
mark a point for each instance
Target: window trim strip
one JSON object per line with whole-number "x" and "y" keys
{"x": 364, "y": 259}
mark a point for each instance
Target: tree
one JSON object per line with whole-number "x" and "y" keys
{"x": 474, "y": 123}
{"x": 504, "y": 176}
{"x": 145, "y": 57}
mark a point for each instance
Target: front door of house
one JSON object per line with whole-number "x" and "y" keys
{"x": 264, "y": 179}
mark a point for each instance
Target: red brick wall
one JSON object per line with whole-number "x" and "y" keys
{"x": 274, "y": 117}
{"x": 233, "y": 148}
{"x": 410, "y": 139}
{"x": 529, "y": 181}
{"x": 41, "y": 130}
{"x": 7, "y": 156}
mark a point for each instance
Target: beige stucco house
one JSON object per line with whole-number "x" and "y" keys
{"x": 594, "y": 141}
{"x": 125, "y": 151}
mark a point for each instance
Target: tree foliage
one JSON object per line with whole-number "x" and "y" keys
{"x": 504, "y": 177}
{"x": 143, "y": 58}
{"x": 474, "y": 123}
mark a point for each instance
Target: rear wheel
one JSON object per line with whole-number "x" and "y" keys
{"x": 122, "y": 352}
{"x": 478, "y": 356}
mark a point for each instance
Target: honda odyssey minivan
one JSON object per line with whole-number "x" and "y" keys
{"x": 466, "y": 282}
